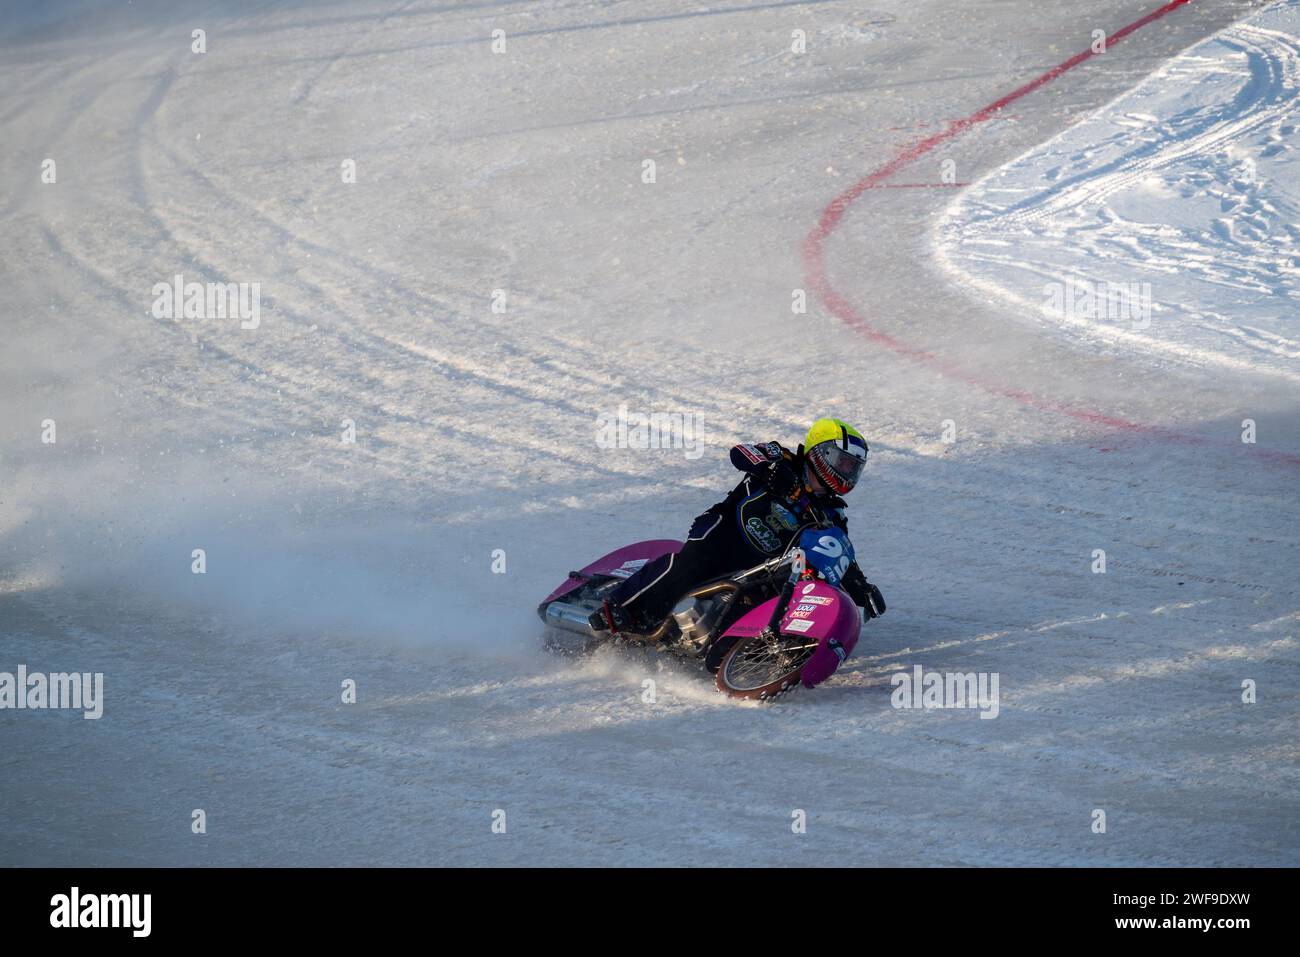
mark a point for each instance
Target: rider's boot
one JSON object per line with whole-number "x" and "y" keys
{"x": 617, "y": 620}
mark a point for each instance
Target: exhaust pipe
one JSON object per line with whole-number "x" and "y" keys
{"x": 570, "y": 617}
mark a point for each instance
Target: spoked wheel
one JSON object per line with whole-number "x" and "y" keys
{"x": 762, "y": 666}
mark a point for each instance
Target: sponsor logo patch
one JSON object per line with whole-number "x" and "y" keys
{"x": 761, "y": 535}
{"x": 784, "y": 516}
{"x": 801, "y": 624}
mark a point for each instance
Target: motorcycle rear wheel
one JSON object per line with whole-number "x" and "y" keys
{"x": 763, "y": 666}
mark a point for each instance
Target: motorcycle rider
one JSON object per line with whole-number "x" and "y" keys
{"x": 777, "y": 497}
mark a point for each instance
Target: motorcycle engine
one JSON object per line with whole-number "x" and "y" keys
{"x": 693, "y": 619}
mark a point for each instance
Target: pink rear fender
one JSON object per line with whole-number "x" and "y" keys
{"x": 817, "y": 610}
{"x": 621, "y": 563}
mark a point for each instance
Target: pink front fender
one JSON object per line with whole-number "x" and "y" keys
{"x": 817, "y": 610}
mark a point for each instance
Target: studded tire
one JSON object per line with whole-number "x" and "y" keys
{"x": 762, "y": 667}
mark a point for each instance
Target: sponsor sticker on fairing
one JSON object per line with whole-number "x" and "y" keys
{"x": 799, "y": 624}
{"x": 816, "y": 600}
{"x": 629, "y": 568}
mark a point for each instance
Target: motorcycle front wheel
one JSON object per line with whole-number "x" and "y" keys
{"x": 761, "y": 667}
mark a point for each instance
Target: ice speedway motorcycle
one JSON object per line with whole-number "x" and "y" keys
{"x": 761, "y": 631}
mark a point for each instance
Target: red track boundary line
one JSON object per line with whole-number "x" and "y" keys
{"x": 841, "y": 308}
{"x": 917, "y": 185}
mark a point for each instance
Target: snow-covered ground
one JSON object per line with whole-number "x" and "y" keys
{"x": 515, "y": 178}
{"x": 1181, "y": 198}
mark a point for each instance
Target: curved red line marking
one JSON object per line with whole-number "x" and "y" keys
{"x": 841, "y": 308}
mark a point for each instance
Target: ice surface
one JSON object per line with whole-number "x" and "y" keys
{"x": 521, "y": 171}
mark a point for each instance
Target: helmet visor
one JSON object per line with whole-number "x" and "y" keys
{"x": 837, "y": 468}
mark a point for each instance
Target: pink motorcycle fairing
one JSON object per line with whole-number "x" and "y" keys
{"x": 621, "y": 563}
{"x": 817, "y": 610}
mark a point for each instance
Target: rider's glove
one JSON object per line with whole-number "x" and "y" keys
{"x": 875, "y": 604}
{"x": 783, "y": 481}
{"x": 864, "y": 594}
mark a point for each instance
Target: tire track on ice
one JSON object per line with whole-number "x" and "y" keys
{"x": 833, "y": 214}
{"x": 459, "y": 365}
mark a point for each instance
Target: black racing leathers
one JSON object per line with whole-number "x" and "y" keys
{"x": 754, "y": 523}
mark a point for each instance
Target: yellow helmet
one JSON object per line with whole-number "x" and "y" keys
{"x": 835, "y": 452}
